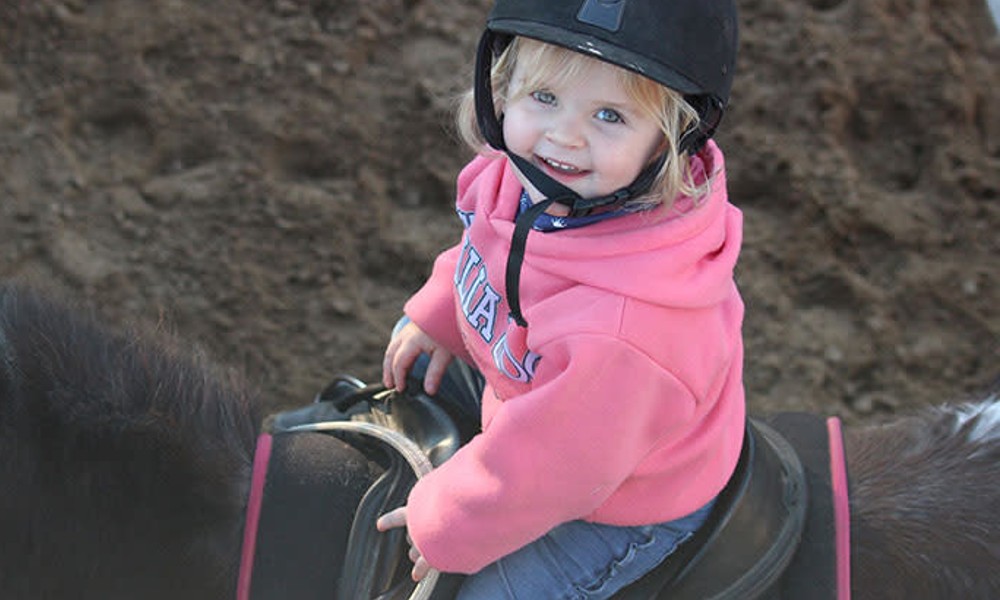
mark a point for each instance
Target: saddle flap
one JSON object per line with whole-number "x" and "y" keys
{"x": 294, "y": 545}
{"x": 405, "y": 435}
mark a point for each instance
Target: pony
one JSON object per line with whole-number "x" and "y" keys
{"x": 126, "y": 460}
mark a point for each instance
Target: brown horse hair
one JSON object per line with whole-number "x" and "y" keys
{"x": 125, "y": 460}
{"x": 924, "y": 497}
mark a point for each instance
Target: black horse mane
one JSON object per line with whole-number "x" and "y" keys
{"x": 124, "y": 460}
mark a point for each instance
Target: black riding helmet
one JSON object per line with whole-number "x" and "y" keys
{"x": 686, "y": 45}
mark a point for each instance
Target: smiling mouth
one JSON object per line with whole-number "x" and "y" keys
{"x": 560, "y": 167}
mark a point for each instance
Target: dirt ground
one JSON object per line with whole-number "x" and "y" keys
{"x": 270, "y": 180}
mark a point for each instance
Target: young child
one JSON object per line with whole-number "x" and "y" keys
{"x": 593, "y": 289}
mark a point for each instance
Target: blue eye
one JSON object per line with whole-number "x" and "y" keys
{"x": 544, "y": 97}
{"x": 609, "y": 116}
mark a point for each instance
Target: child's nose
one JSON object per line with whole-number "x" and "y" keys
{"x": 565, "y": 130}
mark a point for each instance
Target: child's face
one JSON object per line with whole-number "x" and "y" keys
{"x": 585, "y": 132}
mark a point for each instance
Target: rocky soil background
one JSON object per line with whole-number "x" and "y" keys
{"x": 270, "y": 179}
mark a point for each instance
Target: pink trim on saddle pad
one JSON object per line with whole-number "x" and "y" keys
{"x": 841, "y": 507}
{"x": 262, "y": 455}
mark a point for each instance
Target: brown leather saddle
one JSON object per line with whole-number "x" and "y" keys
{"x": 742, "y": 552}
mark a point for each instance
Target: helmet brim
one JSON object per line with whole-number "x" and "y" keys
{"x": 601, "y": 50}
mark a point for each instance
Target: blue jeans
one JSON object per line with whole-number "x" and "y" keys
{"x": 581, "y": 560}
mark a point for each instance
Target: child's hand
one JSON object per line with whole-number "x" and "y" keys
{"x": 403, "y": 351}
{"x": 397, "y": 518}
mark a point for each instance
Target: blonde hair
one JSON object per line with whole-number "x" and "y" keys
{"x": 550, "y": 65}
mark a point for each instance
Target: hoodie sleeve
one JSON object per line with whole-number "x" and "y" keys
{"x": 548, "y": 456}
{"x": 433, "y": 306}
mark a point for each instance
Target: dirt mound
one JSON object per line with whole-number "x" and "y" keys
{"x": 271, "y": 178}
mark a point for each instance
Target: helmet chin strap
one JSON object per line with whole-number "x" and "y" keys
{"x": 553, "y": 191}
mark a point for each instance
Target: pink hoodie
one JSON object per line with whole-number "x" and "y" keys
{"x": 621, "y": 402}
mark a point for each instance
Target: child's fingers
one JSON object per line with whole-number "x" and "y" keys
{"x": 387, "y": 361}
{"x": 420, "y": 569}
{"x": 398, "y": 361}
{"x": 435, "y": 370}
{"x": 392, "y": 519}
{"x": 404, "y": 358}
